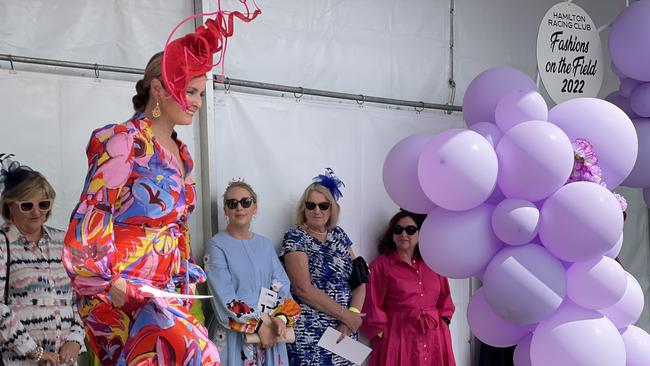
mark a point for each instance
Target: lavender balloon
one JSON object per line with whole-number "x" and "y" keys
{"x": 485, "y": 90}
{"x": 458, "y": 169}
{"x": 607, "y": 128}
{"x": 575, "y": 336}
{"x": 522, "y": 352}
{"x": 524, "y": 284}
{"x": 401, "y": 174}
{"x": 640, "y": 174}
{"x": 637, "y": 346}
{"x": 596, "y": 284}
{"x": 640, "y": 100}
{"x": 613, "y": 253}
{"x": 520, "y": 106}
{"x": 629, "y": 44}
{"x": 458, "y": 244}
{"x": 628, "y": 309}
{"x": 489, "y": 327}
{"x": 489, "y": 131}
{"x": 535, "y": 160}
{"x": 581, "y": 221}
{"x": 515, "y": 221}
{"x": 627, "y": 86}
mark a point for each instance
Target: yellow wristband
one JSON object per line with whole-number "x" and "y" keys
{"x": 354, "y": 310}
{"x": 284, "y": 318}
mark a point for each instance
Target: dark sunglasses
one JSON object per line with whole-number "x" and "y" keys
{"x": 410, "y": 230}
{"x": 323, "y": 206}
{"x": 245, "y": 202}
{"x": 27, "y": 206}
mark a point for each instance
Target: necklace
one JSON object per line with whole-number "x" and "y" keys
{"x": 315, "y": 231}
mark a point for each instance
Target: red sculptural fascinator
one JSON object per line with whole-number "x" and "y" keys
{"x": 192, "y": 55}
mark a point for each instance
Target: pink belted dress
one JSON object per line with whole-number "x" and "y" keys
{"x": 405, "y": 305}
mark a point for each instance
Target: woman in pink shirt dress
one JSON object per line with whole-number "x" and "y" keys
{"x": 408, "y": 307}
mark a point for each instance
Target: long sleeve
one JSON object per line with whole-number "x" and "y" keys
{"x": 77, "y": 333}
{"x": 189, "y": 273}
{"x": 289, "y": 307}
{"x": 89, "y": 246}
{"x": 445, "y": 304}
{"x": 232, "y": 312}
{"x": 375, "y": 320}
{"x": 12, "y": 330}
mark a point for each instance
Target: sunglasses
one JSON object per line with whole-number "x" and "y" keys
{"x": 323, "y": 206}
{"x": 410, "y": 230}
{"x": 27, "y": 206}
{"x": 245, "y": 202}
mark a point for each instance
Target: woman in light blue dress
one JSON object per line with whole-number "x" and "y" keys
{"x": 240, "y": 264}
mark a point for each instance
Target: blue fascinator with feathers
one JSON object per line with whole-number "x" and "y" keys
{"x": 11, "y": 172}
{"x": 330, "y": 181}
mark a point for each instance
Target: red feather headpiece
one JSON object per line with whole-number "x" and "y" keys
{"x": 192, "y": 55}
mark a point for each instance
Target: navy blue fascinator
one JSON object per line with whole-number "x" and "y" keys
{"x": 331, "y": 182}
{"x": 11, "y": 172}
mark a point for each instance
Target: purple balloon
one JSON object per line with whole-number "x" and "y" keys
{"x": 628, "y": 309}
{"x": 401, "y": 174}
{"x": 524, "y": 284}
{"x": 640, "y": 174}
{"x": 458, "y": 244}
{"x": 575, "y": 336}
{"x": 597, "y": 283}
{"x": 458, "y": 169}
{"x": 637, "y": 346}
{"x": 627, "y": 86}
{"x": 581, "y": 221}
{"x": 607, "y": 128}
{"x": 515, "y": 221}
{"x": 617, "y": 71}
{"x": 520, "y": 106}
{"x": 522, "y": 352}
{"x": 489, "y": 130}
{"x": 483, "y": 93}
{"x": 489, "y": 327}
{"x": 640, "y": 100}
{"x": 621, "y": 102}
{"x": 613, "y": 253}
{"x": 535, "y": 160}
{"x": 629, "y": 44}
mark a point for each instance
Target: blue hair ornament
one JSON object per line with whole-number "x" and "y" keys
{"x": 330, "y": 181}
{"x": 11, "y": 172}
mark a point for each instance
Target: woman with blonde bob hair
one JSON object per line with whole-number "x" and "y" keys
{"x": 39, "y": 322}
{"x": 320, "y": 263}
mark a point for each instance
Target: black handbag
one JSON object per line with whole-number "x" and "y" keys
{"x": 360, "y": 273}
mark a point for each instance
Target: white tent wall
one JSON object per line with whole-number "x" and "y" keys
{"x": 387, "y": 48}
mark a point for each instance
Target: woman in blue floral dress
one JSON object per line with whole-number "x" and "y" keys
{"x": 318, "y": 257}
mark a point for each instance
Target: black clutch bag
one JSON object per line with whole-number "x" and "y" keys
{"x": 360, "y": 273}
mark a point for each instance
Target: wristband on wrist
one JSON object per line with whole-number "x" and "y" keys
{"x": 259, "y": 325}
{"x": 354, "y": 310}
{"x": 284, "y": 318}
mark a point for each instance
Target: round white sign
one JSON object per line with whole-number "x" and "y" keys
{"x": 569, "y": 53}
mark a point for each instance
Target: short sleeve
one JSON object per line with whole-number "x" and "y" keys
{"x": 293, "y": 241}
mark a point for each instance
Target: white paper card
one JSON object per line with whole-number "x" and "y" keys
{"x": 268, "y": 300}
{"x": 160, "y": 293}
{"x": 348, "y": 348}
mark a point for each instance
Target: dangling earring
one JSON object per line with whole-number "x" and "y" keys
{"x": 156, "y": 111}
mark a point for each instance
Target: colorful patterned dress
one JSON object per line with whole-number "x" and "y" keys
{"x": 330, "y": 266}
{"x": 406, "y": 303}
{"x": 41, "y": 311}
{"x": 131, "y": 222}
{"x": 237, "y": 270}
